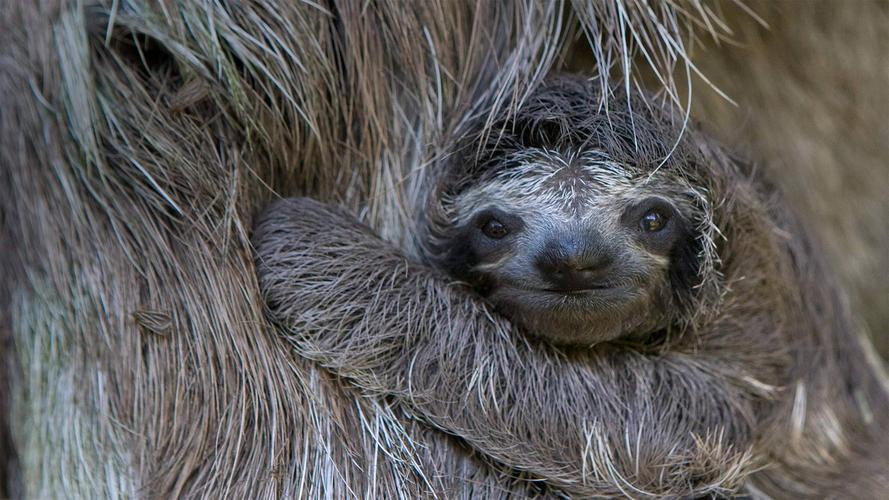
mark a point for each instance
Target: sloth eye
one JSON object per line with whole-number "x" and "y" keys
{"x": 653, "y": 221}
{"x": 494, "y": 229}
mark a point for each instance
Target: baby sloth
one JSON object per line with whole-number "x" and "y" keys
{"x": 584, "y": 222}
{"x": 576, "y": 243}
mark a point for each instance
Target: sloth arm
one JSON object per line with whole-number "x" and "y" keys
{"x": 353, "y": 303}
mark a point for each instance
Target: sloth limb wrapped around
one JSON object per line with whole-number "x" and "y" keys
{"x": 621, "y": 422}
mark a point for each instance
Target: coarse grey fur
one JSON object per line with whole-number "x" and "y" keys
{"x": 574, "y": 265}
{"x": 138, "y": 140}
{"x": 763, "y": 386}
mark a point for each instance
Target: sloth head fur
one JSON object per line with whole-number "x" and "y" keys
{"x": 579, "y": 222}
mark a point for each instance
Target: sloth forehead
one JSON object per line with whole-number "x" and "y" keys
{"x": 572, "y": 183}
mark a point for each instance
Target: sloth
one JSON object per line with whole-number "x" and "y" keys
{"x": 134, "y": 144}
{"x": 572, "y": 245}
{"x": 698, "y": 298}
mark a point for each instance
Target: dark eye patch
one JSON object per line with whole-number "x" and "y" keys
{"x": 470, "y": 244}
{"x": 685, "y": 266}
{"x": 656, "y": 222}
{"x": 487, "y": 243}
{"x": 511, "y": 223}
{"x": 673, "y": 237}
{"x": 495, "y": 229}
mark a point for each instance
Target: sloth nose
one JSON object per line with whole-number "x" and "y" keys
{"x": 573, "y": 264}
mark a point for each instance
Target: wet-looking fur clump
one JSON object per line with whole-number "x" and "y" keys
{"x": 569, "y": 220}
{"x": 727, "y": 398}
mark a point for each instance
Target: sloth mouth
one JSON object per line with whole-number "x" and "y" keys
{"x": 574, "y": 291}
{"x": 604, "y": 291}
{"x": 603, "y": 287}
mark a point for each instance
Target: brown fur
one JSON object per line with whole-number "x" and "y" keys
{"x": 137, "y": 140}
{"x": 698, "y": 412}
{"x": 812, "y": 97}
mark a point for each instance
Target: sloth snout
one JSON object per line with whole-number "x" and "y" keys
{"x": 573, "y": 264}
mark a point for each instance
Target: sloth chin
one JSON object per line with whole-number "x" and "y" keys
{"x": 576, "y": 317}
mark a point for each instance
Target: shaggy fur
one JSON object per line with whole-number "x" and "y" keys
{"x": 137, "y": 141}
{"x": 570, "y": 171}
{"x": 734, "y": 393}
{"x": 812, "y": 97}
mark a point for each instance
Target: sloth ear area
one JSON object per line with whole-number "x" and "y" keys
{"x": 685, "y": 266}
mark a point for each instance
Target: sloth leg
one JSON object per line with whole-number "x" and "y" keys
{"x": 622, "y": 423}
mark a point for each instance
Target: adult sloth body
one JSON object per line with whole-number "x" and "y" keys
{"x": 138, "y": 139}
{"x": 744, "y": 371}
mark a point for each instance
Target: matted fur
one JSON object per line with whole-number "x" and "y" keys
{"x": 139, "y": 138}
{"x": 694, "y": 414}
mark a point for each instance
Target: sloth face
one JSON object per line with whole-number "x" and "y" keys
{"x": 574, "y": 247}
